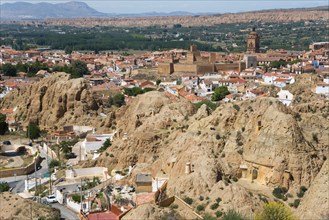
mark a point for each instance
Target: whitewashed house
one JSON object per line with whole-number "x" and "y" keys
{"x": 323, "y": 88}
{"x": 285, "y": 97}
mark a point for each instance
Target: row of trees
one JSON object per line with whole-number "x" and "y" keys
{"x": 77, "y": 68}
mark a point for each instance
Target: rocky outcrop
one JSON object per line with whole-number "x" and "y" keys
{"x": 315, "y": 203}
{"x": 55, "y": 101}
{"x": 165, "y": 133}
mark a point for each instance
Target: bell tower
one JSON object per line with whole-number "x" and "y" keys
{"x": 253, "y": 42}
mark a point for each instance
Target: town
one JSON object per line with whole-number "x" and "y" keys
{"x": 54, "y": 165}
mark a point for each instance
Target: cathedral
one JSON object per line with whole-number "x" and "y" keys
{"x": 253, "y": 42}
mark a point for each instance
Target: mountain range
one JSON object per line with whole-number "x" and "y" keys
{"x": 76, "y": 9}
{"x": 73, "y": 9}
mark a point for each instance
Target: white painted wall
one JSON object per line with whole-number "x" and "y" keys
{"x": 322, "y": 89}
{"x": 285, "y": 97}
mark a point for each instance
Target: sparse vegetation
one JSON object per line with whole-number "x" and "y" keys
{"x": 218, "y": 214}
{"x": 233, "y": 215}
{"x": 188, "y": 200}
{"x": 105, "y": 145}
{"x": 275, "y": 211}
{"x": 209, "y": 104}
{"x": 200, "y": 208}
{"x": 279, "y": 192}
{"x": 77, "y": 198}
{"x": 214, "y": 206}
{"x": 236, "y": 107}
{"x": 4, "y": 186}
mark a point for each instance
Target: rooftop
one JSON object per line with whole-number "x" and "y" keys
{"x": 143, "y": 178}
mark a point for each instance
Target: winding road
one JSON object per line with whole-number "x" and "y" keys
{"x": 18, "y": 185}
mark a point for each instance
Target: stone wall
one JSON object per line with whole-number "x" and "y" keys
{"x": 21, "y": 171}
{"x": 185, "y": 68}
{"x": 205, "y": 68}
{"x": 165, "y": 68}
{"x": 230, "y": 66}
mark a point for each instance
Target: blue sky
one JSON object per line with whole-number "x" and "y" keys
{"x": 217, "y": 6}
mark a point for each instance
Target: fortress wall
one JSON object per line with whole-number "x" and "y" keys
{"x": 185, "y": 68}
{"x": 165, "y": 68}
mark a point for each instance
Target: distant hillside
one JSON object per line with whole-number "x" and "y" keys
{"x": 24, "y": 10}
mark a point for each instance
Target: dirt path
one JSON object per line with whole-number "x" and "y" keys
{"x": 255, "y": 187}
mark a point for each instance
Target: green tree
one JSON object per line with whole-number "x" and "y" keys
{"x": 9, "y": 70}
{"x": 275, "y": 211}
{"x": 4, "y": 186}
{"x": 158, "y": 81}
{"x": 3, "y": 124}
{"x": 66, "y": 148}
{"x": 220, "y": 93}
{"x": 33, "y": 131}
{"x": 278, "y": 64}
{"x": 68, "y": 50}
{"x": 117, "y": 100}
{"x": 209, "y": 104}
{"x": 78, "y": 69}
{"x": 133, "y": 91}
{"x": 54, "y": 163}
{"x": 105, "y": 145}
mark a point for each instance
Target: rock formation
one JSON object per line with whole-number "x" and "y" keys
{"x": 55, "y": 101}
{"x": 264, "y": 137}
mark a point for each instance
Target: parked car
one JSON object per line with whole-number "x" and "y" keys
{"x": 6, "y": 143}
{"x": 51, "y": 199}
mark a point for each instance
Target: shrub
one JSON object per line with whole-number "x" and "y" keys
{"x": 218, "y": 200}
{"x": 201, "y": 198}
{"x": 274, "y": 210}
{"x": 236, "y": 107}
{"x": 235, "y": 179}
{"x": 303, "y": 188}
{"x": 214, "y": 206}
{"x": 117, "y": 100}
{"x": 54, "y": 163}
{"x": 188, "y": 200}
{"x": 207, "y": 216}
{"x": 218, "y": 214}
{"x": 174, "y": 206}
{"x": 217, "y": 136}
{"x": 296, "y": 203}
{"x": 315, "y": 137}
{"x": 77, "y": 198}
{"x": 232, "y": 215}
{"x": 200, "y": 208}
{"x": 209, "y": 104}
{"x": 4, "y": 186}
{"x": 105, "y": 145}
{"x": 279, "y": 192}
{"x": 302, "y": 191}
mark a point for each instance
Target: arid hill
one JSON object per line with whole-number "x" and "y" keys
{"x": 56, "y": 101}
{"x": 157, "y": 129}
{"x": 294, "y": 15}
{"x": 160, "y": 133}
{"x": 13, "y": 206}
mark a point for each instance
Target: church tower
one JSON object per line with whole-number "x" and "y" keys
{"x": 253, "y": 42}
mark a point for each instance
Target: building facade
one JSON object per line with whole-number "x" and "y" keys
{"x": 253, "y": 42}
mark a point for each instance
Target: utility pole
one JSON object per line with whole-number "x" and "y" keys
{"x": 35, "y": 176}
{"x": 81, "y": 194}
